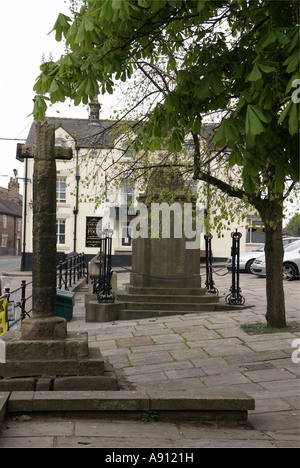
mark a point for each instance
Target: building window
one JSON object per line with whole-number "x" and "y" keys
{"x": 60, "y": 142}
{"x": 19, "y": 225}
{"x": 127, "y": 195}
{"x": 4, "y": 221}
{"x": 256, "y": 232}
{"x": 61, "y": 190}
{"x": 60, "y": 231}
{"x": 126, "y": 235}
{"x": 4, "y": 241}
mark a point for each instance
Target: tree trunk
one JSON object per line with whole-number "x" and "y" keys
{"x": 272, "y": 217}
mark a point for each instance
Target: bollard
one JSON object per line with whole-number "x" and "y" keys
{"x": 102, "y": 285}
{"x": 235, "y": 296}
{"x": 209, "y": 283}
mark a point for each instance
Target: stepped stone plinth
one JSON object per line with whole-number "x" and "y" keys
{"x": 54, "y": 364}
{"x": 43, "y": 352}
{"x": 165, "y": 277}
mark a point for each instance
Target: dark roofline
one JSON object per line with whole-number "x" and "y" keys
{"x": 5, "y": 190}
{"x": 99, "y": 134}
{"x": 10, "y": 208}
{"x": 85, "y": 132}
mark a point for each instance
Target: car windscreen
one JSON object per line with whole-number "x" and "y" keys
{"x": 293, "y": 246}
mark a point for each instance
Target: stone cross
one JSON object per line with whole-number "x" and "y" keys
{"x": 44, "y": 324}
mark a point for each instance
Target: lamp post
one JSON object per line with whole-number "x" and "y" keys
{"x": 26, "y": 180}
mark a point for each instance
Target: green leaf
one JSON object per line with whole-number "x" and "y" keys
{"x": 266, "y": 98}
{"x": 292, "y": 62}
{"x": 219, "y": 138}
{"x": 270, "y": 39}
{"x": 61, "y": 26}
{"x": 279, "y": 176}
{"x": 248, "y": 183}
{"x": 266, "y": 68}
{"x": 293, "y": 120}
{"x": 260, "y": 114}
{"x": 90, "y": 23}
{"x": 40, "y": 107}
{"x": 143, "y": 3}
{"x": 80, "y": 36}
{"x": 196, "y": 126}
{"x": 249, "y": 163}
{"x": 53, "y": 87}
{"x": 253, "y": 123}
{"x": 281, "y": 37}
{"x": 285, "y": 112}
{"x": 255, "y": 75}
{"x": 117, "y": 4}
{"x": 235, "y": 158}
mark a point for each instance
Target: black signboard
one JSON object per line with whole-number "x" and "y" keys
{"x": 91, "y": 238}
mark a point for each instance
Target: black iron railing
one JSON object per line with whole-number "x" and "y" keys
{"x": 235, "y": 297}
{"x": 19, "y": 304}
{"x": 102, "y": 283}
{"x": 209, "y": 283}
{"x": 70, "y": 271}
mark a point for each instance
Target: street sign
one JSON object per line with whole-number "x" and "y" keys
{"x": 3, "y": 316}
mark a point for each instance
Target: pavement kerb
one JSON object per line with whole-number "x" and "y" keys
{"x": 4, "y": 398}
{"x": 206, "y": 405}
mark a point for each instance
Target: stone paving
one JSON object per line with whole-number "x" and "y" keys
{"x": 187, "y": 352}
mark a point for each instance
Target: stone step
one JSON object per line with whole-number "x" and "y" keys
{"x": 165, "y": 291}
{"x": 168, "y": 406}
{"x": 4, "y": 397}
{"x": 75, "y": 345}
{"x": 91, "y": 365}
{"x": 178, "y": 307}
{"x": 100, "y": 380}
{"x": 125, "y": 314}
{"x": 165, "y": 299}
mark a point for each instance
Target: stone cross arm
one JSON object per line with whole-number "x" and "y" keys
{"x": 29, "y": 151}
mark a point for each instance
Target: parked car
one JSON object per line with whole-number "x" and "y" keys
{"x": 247, "y": 259}
{"x": 291, "y": 262}
{"x": 289, "y": 240}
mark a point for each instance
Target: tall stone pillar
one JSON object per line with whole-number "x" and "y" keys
{"x": 43, "y": 350}
{"x": 44, "y": 323}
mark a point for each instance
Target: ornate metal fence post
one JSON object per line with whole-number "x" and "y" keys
{"x": 235, "y": 297}
{"x": 102, "y": 285}
{"x": 60, "y": 274}
{"x": 23, "y": 300}
{"x": 209, "y": 283}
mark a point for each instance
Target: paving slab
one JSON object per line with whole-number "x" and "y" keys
{"x": 4, "y": 397}
{"x": 204, "y": 364}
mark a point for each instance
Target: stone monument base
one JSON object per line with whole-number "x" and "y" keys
{"x": 51, "y": 364}
{"x": 44, "y": 328}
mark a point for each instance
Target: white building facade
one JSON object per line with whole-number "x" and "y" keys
{"x": 82, "y": 179}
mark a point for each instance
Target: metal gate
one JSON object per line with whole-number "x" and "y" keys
{"x": 102, "y": 284}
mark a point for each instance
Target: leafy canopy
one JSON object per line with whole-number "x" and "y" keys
{"x": 237, "y": 58}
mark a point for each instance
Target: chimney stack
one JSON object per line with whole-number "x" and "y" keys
{"x": 13, "y": 190}
{"x": 94, "y": 109}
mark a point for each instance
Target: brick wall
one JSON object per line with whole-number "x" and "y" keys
{"x": 10, "y": 235}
